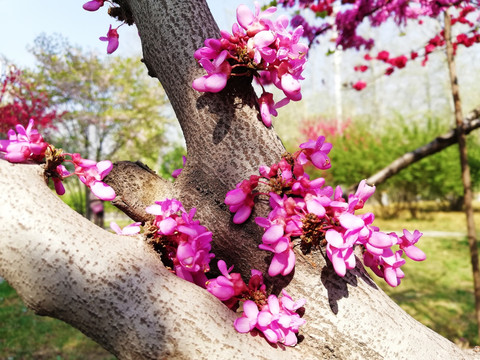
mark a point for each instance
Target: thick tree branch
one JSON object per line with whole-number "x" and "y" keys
{"x": 136, "y": 187}
{"x": 226, "y": 141}
{"x": 470, "y": 123}
{"x": 115, "y": 290}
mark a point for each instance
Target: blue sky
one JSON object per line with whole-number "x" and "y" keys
{"x": 22, "y": 21}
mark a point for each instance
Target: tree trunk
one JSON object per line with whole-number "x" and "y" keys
{"x": 115, "y": 288}
{"x": 467, "y": 182}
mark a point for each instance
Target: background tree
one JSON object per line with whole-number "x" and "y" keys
{"x": 114, "y": 288}
{"x": 112, "y": 110}
{"x": 21, "y": 100}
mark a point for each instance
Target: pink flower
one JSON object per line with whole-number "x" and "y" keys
{"x": 253, "y": 23}
{"x": 248, "y": 320}
{"x": 128, "y": 230}
{"x": 112, "y": 38}
{"x": 259, "y": 47}
{"x": 340, "y": 251}
{"x": 218, "y": 73}
{"x": 316, "y": 152}
{"x": 391, "y": 271}
{"x": 57, "y": 181}
{"x": 93, "y": 5}
{"x": 359, "y": 85}
{"x": 177, "y": 172}
{"x": 227, "y": 285}
{"x": 188, "y": 243}
{"x": 240, "y": 200}
{"x": 278, "y": 322}
{"x": 25, "y": 144}
{"x": 407, "y": 244}
{"x": 363, "y": 193}
{"x": 92, "y": 173}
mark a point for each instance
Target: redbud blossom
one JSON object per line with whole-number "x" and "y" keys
{"x": 359, "y": 85}
{"x": 130, "y": 229}
{"x": 257, "y": 47}
{"x": 316, "y": 216}
{"x": 93, "y": 5}
{"x": 112, "y": 39}
{"x": 24, "y": 144}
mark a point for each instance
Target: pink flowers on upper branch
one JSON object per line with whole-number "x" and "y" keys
{"x": 93, "y": 5}
{"x": 316, "y": 216}
{"x": 112, "y": 35}
{"x": 257, "y": 47}
{"x": 112, "y": 39}
{"x": 350, "y": 15}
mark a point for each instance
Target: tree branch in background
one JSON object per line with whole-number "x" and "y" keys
{"x": 471, "y": 122}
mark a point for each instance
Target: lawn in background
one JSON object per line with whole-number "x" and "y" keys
{"x": 24, "y": 335}
{"x": 438, "y": 292}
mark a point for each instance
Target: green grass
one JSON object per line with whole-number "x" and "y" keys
{"x": 438, "y": 292}
{"x": 24, "y": 335}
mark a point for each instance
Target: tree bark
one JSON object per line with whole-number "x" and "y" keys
{"x": 116, "y": 290}
{"x": 467, "y": 182}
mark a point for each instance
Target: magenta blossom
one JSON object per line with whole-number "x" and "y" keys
{"x": 218, "y": 72}
{"x": 316, "y": 152}
{"x": 112, "y": 39}
{"x": 227, "y": 285}
{"x": 277, "y": 320}
{"x": 24, "y": 144}
{"x": 240, "y": 200}
{"x": 177, "y": 172}
{"x": 93, "y": 5}
{"x": 130, "y": 229}
{"x": 407, "y": 244}
{"x": 257, "y": 47}
{"x": 186, "y": 242}
{"x": 307, "y": 213}
{"x": 92, "y": 173}
{"x": 57, "y": 181}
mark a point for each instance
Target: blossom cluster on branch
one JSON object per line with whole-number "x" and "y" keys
{"x": 185, "y": 247}
{"x": 112, "y": 35}
{"x": 256, "y": 47}
{"x": 27, "y": 145}
{"x": 308, "y": 214}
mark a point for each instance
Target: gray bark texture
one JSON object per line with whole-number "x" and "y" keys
{"x": 115, "y": 288}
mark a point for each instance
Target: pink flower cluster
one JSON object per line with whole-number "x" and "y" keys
{"x": 317, "y": 215}
{"x": 24, "y": 144}
{"x": 186, "y": 242}
{"x": 260, "y": 47}
{"x": 277, "y": 318}
{"x": 28, "y": 145}
{"x": 112, "y": 34}
{"x": 91, "y": 174}
{"x": 230, "y": 287}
